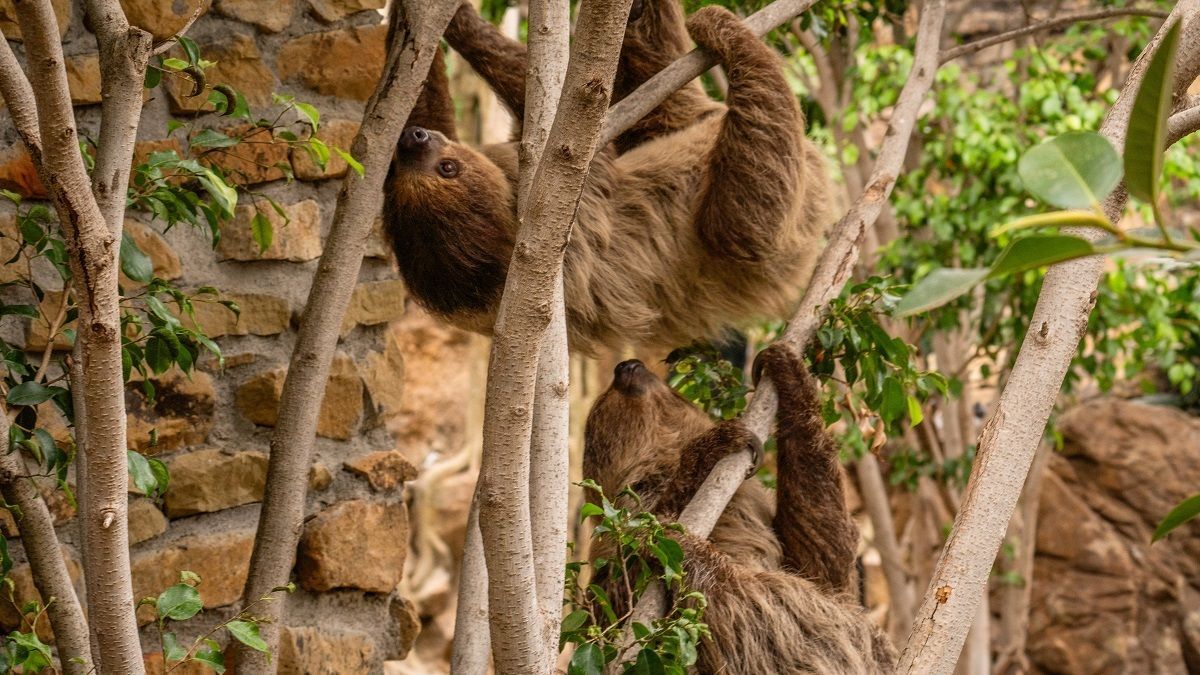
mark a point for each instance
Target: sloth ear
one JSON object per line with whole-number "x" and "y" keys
{"x": 435, "y": 107}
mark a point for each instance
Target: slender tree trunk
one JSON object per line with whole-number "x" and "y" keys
{"x": 45, "y": 559}
{"x": 1010, "y": 438}
{"x": 472, "y": 640}
{"x": 418, "y": 28}
{"x": 900, "y": 591}
{"x": 1015, "y": 597}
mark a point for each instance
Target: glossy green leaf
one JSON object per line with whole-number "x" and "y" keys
{"x": 262, "y": 232}
{"x": 587, "y": 660}
{"x": 141, "y": 474}
{"x": 648, "y": 663}
{"x": 172, "y": 650}
{"x": 189, "y": 49}
{"x": 1030, "y": 253}
{"x": 134, "y": 262}
{"x": 1072, "y": 171}
{"x": 246, "y": 632}
{"x": 574, "y": 621}
{"x": 1146, "y": 138}
{"x": 310, "y": 115}
{"x": 209, "y": 138}
{"x": 211, "y": 656}
{"x": 1187, "y": 510}
{"x": 938, "y": 288}
{"x": 32, "y": 393}
{"x": 178, "y": 603}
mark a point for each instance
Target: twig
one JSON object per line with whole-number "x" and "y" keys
{"x": 1183, "y": 123}
{"x": 1009, "y": 439}
{"x": 1048, "y": 24}
{"x": 687, "y": 68}
{"x": 170, "y": 42}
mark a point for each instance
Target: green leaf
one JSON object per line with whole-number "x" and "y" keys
{"x": 893, "y": 404}
{"x": 20, "y": 310}
{"x": 158, "y": 354}
{"x": 174, "y": 63}
{"x": 915, "y": 415}
{"x": 310, "y": 114}
{"x": 262, "y": 232}
{"x": 1030, "y": 253}
{"x": 938, "y": 288}
{"x": 211, "y": 656}
{"x": 1187, "y": 510}
{"x": 172, "y": 650}
{"x": 317, "y": 151}
{"x": 212, "y": 139}
{"x": 648, "y": 663}
{"x": 134, "y": 262}
{"x": 353, "y": 163}
{"x": 153, "y": 75}
{"x": 32, "y": 393}
{"x": 1146, "y": 138}
{"x": 179, "y": 603}
{"x": 162, "y": 478}
{"x": 587, "y": 660}
{"x": 216, "y": 187}
{"x": 1072, "y": 171}
{"x": 189, "y": 48}
{"x": 140, "y": 472}
{"x": 246, "y": 632}
{"x": 574, "y": 621}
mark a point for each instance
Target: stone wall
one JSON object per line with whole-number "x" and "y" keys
{"x": 213, "y": 427}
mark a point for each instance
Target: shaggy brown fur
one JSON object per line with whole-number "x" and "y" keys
{"x": 711, "y": 217}
{"x": 777, "y": 577}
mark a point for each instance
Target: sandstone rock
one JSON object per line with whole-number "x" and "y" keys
{"x": 335, "y": 133}
{"x": 165, "y": 259}
{"x": 310, "y": 650}
{"x": 384, "y": 377}
{"x": 18, "y": 174}
{"x": 342, "y": 63}
{"x": 11, "y": 29}
{"x": 24, "y": 591}
{"x": 182, "y": 414}
{"x": 145, "y": 520}
{"x": 262, "y": 314}
{"x": 163, "y": 18}
{"x": 83, "y": 78}
{"x": 336, "y": 10}
{"x": 341, "y": 410}
{"x": 209, "y": 480}
{"x": 37, "y": 331}
{"x": 143, "y": 149}
{"x": 408, "y": 623}
{"x": 354, "y": 544}
{"x": 269, "y": 16}
{"x": 451, "y": 503}
{"x": 377, "y": 244}
{"x": 384, "y": 470}
{"x": 296, "y": 240}
{"x": 319, "y": 477}
{"x": 9, "y": 243}
{"x": 239, "y": 65}
{"x": 222, "y": 559}
{"x": 1103, "y": 598}
{"x": 373, "y": 303}
{"x": 260, "y": 158}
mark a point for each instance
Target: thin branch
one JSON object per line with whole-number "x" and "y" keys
{"x": 45, "y": 559}
{"x": 18, "y": 97}
{"x": 687, "y": 68}
{"x": 526, "y": 311}
{"x": 165, "y": 45}
{"x": 417, "y": 25}
{"x": 1183, "y": 123}
{"x": 1009, "y": 439}
{"x": 1048, "y": 24}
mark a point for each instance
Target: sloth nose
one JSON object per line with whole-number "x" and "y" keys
{"x": 631, "y": 376}
{"x": 413, "y": 138}
{"x": 628, "y": 368}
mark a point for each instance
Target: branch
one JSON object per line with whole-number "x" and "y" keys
{"x": 1010, "y": 438}
{"x": 1183, "y": 123}
{"x": 836, "y": 265}
{"x": 92, "y": 251}
{"x": 1048, "y": 24}
{"x": 526, "y": 311}
{"x": 166, "y": 45}
{"x": 875, "y": 498}
{"x": 687, "y": 68}
{"x": 418, "y": 25}
{"x": 45, "y": 559}
{"x": 18, "y": 97}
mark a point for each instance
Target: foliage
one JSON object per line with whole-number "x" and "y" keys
{"x": 711, "y": 382}
{"x": 644, "y": 552}
{"x": 181, "y": 602}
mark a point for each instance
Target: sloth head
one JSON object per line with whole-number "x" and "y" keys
{"x": 637, "y": 428}
{"x": 450, "y": 216}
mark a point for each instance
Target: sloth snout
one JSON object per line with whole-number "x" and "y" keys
{"x": 631, "y": 376}
{"x": 414, "y": 138}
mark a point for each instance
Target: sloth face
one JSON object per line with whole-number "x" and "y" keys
{"x": 451, "y": 221}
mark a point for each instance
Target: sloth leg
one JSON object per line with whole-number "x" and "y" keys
{"x": 818, "y": 537}
{"x": 697, "y": 460}
{"x": 434, "y": 108}
{"x": 499, "y": 59}
{"x": 757, "y": 158}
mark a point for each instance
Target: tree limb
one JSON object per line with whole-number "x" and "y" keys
{"x": 418, "y": 26}
{"x": 22, "y": 108}
{"x": 166, "y": 45}
{"x": 526, "y": 310}
{"x": 1010, "y": 437}
{"x": 92, "y": 256}
{"x": 45, "y": 559}
{"x": 1183, "y": 123}
{"x": 1048, "y": 24}
{"x": 688, "y": 67}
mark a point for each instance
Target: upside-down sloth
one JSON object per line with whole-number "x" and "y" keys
{"x": 699, "y": 219}
{"x": 777, "y": 573}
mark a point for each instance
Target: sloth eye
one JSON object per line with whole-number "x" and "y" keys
{"x": 447, "y": 168}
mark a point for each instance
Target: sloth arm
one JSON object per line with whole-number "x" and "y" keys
{"x": 818, "y": 537}
{"x": 758, "y": 156}
{"x": 499, "y": 59}
{"x": 697, "y": 460}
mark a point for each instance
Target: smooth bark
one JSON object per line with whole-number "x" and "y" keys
{"x": 418, "y": 27}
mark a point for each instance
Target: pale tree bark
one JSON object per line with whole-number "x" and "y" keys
{"x": 835, "y": 267}
{"x": 45, "y": 559}
{"x": 526, "y": 312}
{"x": 1015, "y": 598}
{"x": 874, "y": 495}
{"x": 1009, "y": 439}
{"x": 417, "y": 26}
{"x": 92, "y": 248}
{"x": 549, "y": 480}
